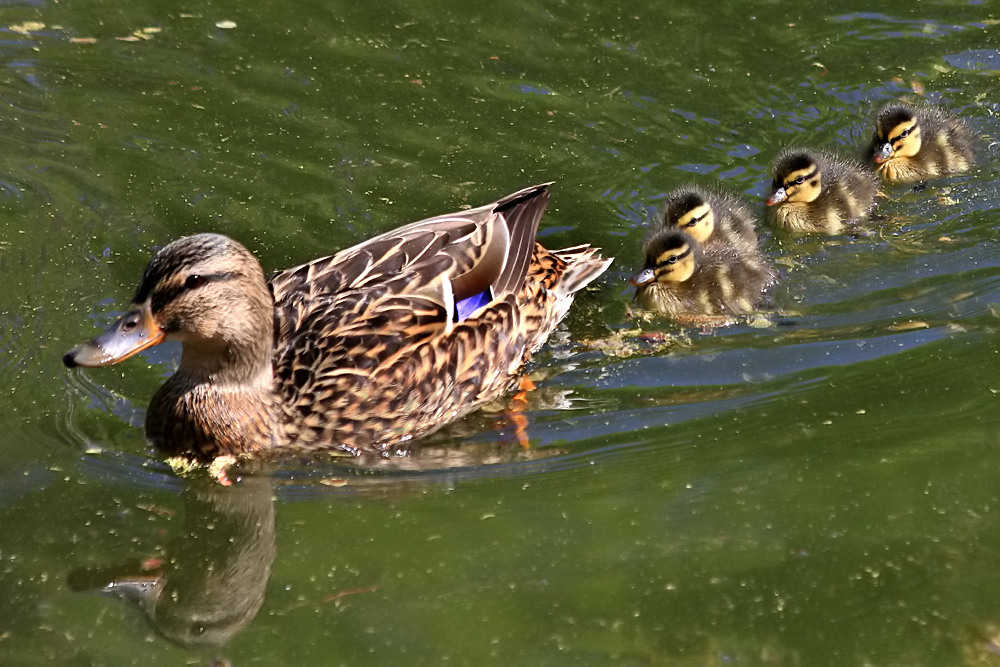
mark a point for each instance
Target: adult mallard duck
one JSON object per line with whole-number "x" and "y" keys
{"x": 689, "y": 282}
{"x": 361, "y": 351}
{"x": 818, "y": 192}
{"x": 912, "y": 143}
{"x": 711, "y": 218}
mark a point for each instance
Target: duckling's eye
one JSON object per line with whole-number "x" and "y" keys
{"x": 195, "y": 281}
{"x": 905, "y": 133}
{"x": 692, "y": 223}
{"x": 799, "y": 181}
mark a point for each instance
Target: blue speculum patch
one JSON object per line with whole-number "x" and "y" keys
{"x": 469, "y": 305}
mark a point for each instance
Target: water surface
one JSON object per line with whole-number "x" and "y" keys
{"x": 818, "y": 490}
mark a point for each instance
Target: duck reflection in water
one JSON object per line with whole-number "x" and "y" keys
{"x": 213, "y": 584}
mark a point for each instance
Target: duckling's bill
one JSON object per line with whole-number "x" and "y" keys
{"x": 883, "y": 154}
{"x": 644, "y": 277}
{"x": 130, "y": 334}
{"x": 776, "y": 197}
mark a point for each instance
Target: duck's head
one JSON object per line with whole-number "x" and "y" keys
{"x": 897, "y": 133}
{"x": 797, "y": 178}
{"x": 690, "y": 212}
{"x": 671, "y": 257}
{"x": 206, "y": 291}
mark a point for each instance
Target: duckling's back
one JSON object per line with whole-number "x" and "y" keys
{"x": 851, "y": 190}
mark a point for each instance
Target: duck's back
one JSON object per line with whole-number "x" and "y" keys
{"x": 396, "y": 336}
{"x": 851, "y": 190}
{"x": 948, "y": 148}
{"x": 736, "y": 224}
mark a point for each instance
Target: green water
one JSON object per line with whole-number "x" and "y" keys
{"x": 821, "y": 490}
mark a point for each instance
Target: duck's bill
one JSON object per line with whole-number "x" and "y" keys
{"x": 883, "y": 154}
{"x": 140, "y": 590}
{"x": 776, "y": 197}
{"x": 126, "y": 582}
{"x": 131, "y": 333}
{"x": 643, "y": 278}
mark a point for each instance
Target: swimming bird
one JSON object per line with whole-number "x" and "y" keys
{"x": 711, "y": 217}
{"x": 687, "y": 281}
{"x": 814, "y": 191}
{"x": 917, "y": 142}
{"x": 361, "y": 351}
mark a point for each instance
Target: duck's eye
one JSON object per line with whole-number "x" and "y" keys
{"x": 905, "y": 133}
{"x": 195, "y": 281}
{"x": 692, "y": 223}
{"x": 799, "y": 181}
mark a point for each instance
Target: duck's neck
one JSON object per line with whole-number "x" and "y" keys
{"x": 220, "y": 401}
{"x": 241, "y": 364}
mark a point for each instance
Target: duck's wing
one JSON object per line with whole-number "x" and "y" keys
{"x": 361, "y": 306}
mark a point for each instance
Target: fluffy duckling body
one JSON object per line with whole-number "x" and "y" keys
{"x": 361, "y": 351}
{"x": 912, "y": 143}
{"x": 686, "y": 281}
{"x": 817, "y": 192}
{"x": 711, "y": 218}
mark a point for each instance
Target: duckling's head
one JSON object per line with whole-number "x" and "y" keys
{"x": 897, "y": 133}
{"x": 206, "y": 291}
{"x": 671, "y": 257}
{"x": 689, "y": 211}
{"x": 797, "y": 178}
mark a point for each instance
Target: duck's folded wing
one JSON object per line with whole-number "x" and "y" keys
{"x": 490, "y": 246}
{"x": 405, "y": 284}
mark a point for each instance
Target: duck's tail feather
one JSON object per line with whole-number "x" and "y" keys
{"x": 583, "y": 266}
{"x": 522, "y": 210}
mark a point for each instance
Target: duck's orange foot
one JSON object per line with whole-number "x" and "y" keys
{"x": 515, "y": 411}
{"x": 219, "y": 467}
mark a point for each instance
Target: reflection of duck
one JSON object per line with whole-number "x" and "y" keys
{"x": 214, "y": 583}
{"x": 363, "y": 350}
{"x": 684, "y": 280}
{"x": 817, "y": 192}
{"x": 911, "y": 143}
{"x": 711, "y": 218}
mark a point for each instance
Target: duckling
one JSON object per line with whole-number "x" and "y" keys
{"x": 912, "y": 143}
{"x": 687, "y": 281}
{"x": 711, "y": 218}
{"x": 817, "y": 192}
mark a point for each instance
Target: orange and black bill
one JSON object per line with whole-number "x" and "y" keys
{"x": 130, "y": 334}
